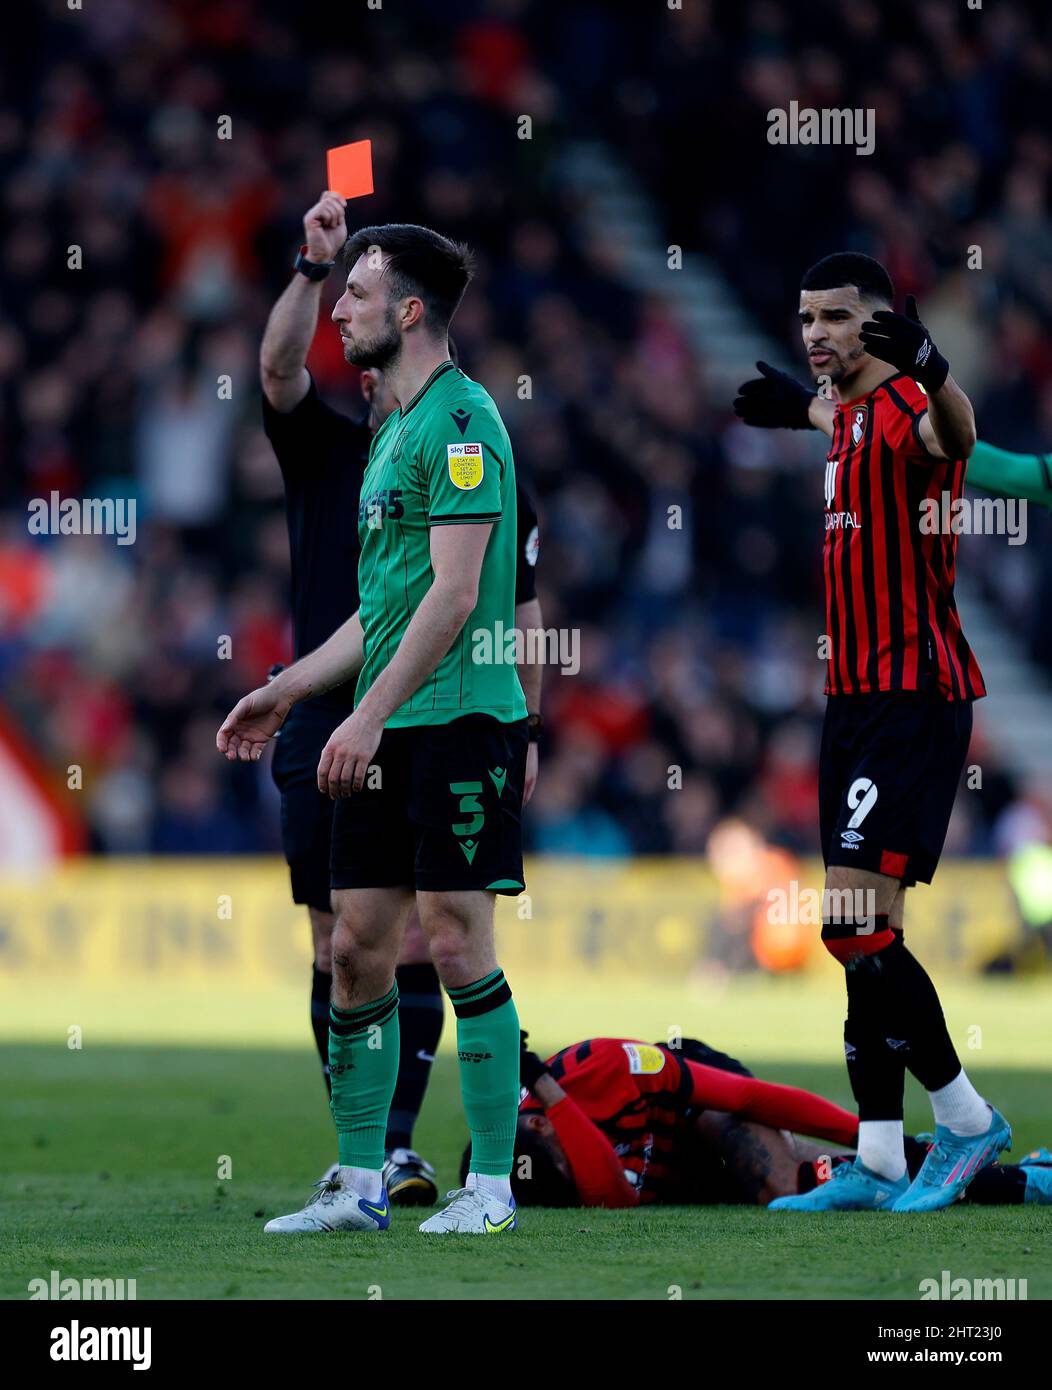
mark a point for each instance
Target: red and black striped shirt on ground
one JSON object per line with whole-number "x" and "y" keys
{"x": 890, "y": 611}
{"x": 623, "y": 1122}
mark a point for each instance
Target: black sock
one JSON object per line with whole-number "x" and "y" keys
{"x": 876, "y": 1071}
{"x": 916, "y": 1026}
{"x": 916, "y": 1153}
{"x": 320, "y": 994}
{"x": 998, "y": 1187}
{"x": 420, "y": 1015}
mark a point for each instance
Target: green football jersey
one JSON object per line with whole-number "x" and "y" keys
{"x": 442, "y": 460}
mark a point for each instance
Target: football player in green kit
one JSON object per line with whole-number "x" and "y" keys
{"x": 428, "y": 770}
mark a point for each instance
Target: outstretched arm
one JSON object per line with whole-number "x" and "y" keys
{"x": 781, "y": 1107}
{"x": 948, "y": 429}
{"x": 294, "y": 318}
{"x": 1011, "y": 475}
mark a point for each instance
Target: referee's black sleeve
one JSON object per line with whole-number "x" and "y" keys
{"x": 527, "y": 547}
{"x": 311, "y": 431}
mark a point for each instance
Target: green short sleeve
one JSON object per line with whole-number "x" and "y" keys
{"x": 463, "y": 462}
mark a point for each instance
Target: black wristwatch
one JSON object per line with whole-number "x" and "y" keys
{"x": 535, "y": 725}
{"x": 314, "y": 270}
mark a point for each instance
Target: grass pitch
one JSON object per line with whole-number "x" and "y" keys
{"x": 110, "y": 1156}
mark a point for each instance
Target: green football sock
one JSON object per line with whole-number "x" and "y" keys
{"x": 363, "y": 1069}
{"x": 488, "y": 1050}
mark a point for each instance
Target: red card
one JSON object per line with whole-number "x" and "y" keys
{"x": 351, "y": 169}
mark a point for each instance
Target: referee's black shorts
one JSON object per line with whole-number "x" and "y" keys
{"x": 889, "y": 770}
{"x": 306, "y": 813}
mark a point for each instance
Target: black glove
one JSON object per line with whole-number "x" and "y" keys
{"x": 902, "y": 340}
{"x": 774, "y": 401}
{"x": 531, "y": 1068}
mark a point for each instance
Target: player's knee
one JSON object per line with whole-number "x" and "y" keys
{"x": 415, "y": 948}
{"x": 449, "y": 949}
{"x": 352, "y": 951}
{"x": 851, "y": 942}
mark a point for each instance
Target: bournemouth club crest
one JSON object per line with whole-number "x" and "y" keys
{"x": 858, "y": 422}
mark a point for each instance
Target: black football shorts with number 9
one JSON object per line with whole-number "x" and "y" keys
{"x": 889, "y": 769}
{"x": 441, "y": 810}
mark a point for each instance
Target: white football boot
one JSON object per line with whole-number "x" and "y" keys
{"x": 334, "y": 1207}
{"x": 472, "y": 1212}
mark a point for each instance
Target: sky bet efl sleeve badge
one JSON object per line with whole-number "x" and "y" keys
{"x": 465, "y": 465}
{"x": 644, "y": 1060}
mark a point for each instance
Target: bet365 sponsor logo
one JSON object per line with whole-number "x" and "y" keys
{"x": 383, "y": 505}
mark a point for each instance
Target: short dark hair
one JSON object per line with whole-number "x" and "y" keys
{"x": 851, "y": 268}
{"x": 547, "y": 1185}
{"x": 421, "y": 262}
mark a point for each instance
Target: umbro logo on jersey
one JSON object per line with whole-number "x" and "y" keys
{"x": 852, "y": 835}
{"x": 461, "y": 419}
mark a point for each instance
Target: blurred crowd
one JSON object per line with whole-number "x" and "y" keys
{"x": 684, "y": 547}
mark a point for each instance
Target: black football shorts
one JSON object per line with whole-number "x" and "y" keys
{"x": 444, "y": 813}
{"x": 306, "y": 813}
{"x": 889, "y": 769}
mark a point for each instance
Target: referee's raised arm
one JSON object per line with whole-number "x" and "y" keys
{"x": 294, "y": 318}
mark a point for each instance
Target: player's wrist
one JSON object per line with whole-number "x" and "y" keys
{"x": 935, "y": 372}
{"x": 289, "y": 687}
{"x": 313, "y": 264}
{"x": 531, "y": 1069}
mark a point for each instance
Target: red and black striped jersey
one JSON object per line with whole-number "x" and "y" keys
{"x": 891, "y": 616}
{"x": 636, "y": 1095}
{"x": 623, "y": 1122}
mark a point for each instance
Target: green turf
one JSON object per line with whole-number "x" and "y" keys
{"x": 110, "y": 1159}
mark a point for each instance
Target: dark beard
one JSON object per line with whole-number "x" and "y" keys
{"x": 380, "y": 353}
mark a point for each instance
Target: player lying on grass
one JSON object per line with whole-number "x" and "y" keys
{"x": 612, "y": 1122}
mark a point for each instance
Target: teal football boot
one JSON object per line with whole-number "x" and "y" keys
{"x": 952, "y": 1162}
{"x": 853, "y": 1187}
